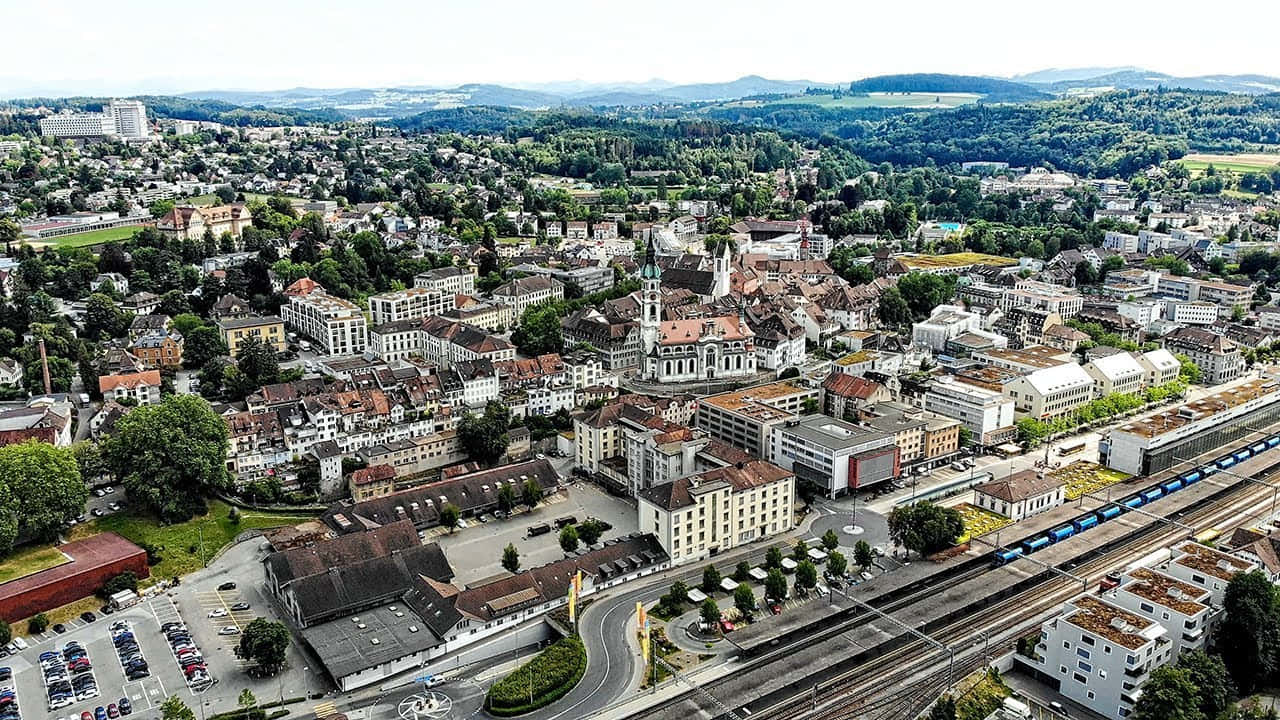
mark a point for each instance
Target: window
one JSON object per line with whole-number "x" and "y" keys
{"x": 1082, "y": 653}
{"x": 1084, "y": 666}
{"x": 1080, "y": 678}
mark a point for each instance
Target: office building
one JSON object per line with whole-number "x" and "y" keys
{"x": 409, "y": 304}
{"x": 986, "y": 413}
{"x": 745, "y": 418}
{"x": 832, "y": 455}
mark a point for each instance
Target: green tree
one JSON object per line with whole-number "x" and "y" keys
{"x": 257, "y": 362}
{"x": 40, "y": 486}
{"x": 449, "y": 515}
{"x": 710, "y": 579}
{"x": 531, "y": 493}
{"x": 678, "y": 594}
{"x": 1249, "y": 632}
{"x": 540, "y": 331}
{"x": 201, "y": 345}
{"x": 806, "y": 574}
{"x": 170, "y": 455}
{"x": 773, "y": 558}
{"x": 38, "y": 624}
{"x": 569, "y": 538}
{"x": 102, "y": 319}
{"x": 830, "y": 540}
{"x": 943, "y": 709}
{"x": 862, "y": 554}
{"x": 511, "y": 558}
{"x": 90, "y": 461}
{"x": 924, "y": 527}
{"x": 174, "y": 709}
{"x": 506, "y": 498}
{"x": 1169, "y": 694}
{"x": 800, "y": 552}
{"x": 1189, "y": 373}
{"x": 893, "y": 309}
{"x": 6, "y": 633}
{"x": 742, "y": 572}
{"x": 744, "y": 599}
{"x": 485, "y": 436}
{"x": 710, "y": 612}
{"x": 836, "y": 563}
{"x": 266, "y": 643}
{"x": 1213, "y": 683}
{"x": 1086, "y": 273}
{"x": 775, "y": 585}
{"x": 590, "y": 531}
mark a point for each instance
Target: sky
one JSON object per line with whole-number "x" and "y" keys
{"x": 159, "y": 46}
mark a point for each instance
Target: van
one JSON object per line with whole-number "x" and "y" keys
{"x": 566, "y": 520}
{"x": 539, "y": 529}
{"x": 20, "y": 644}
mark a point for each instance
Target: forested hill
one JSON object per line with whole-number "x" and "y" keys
{"x": 991, "y": 89}
{"x": 181, "y": 108}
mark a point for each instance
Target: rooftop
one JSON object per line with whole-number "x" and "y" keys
{"x": 740, "y": 400}
{"x": 829, "y": 432}
{"x": 1037, "y": 356}
{"x": 1172, "y": 419}
{"x": 953, "y": 260}
{"x": 1164, "y": 590}
{"x": 377, "y": 636}
{"x": 1210, "y": 561}
{"x": 1115, "y": 624}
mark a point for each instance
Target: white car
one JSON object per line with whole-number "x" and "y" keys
{"x": 866, "y": 575}
{"x": 463, "y": 524}
{"x": 218, "y": 612}
{"x": 229, "y": 630}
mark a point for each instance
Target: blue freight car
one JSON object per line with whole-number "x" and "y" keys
{"x": 1171, "y": 486}
{"x": 1134, "y": 501}
{"x": 1034, "y": 544}
{"x": 1004, "y": 557}
{"x": 1242, "y": 455}
{"x": 1152, "y": 494}
{"x": 1059, "y": 534}
{"x": 1273, "y": 441}
{"x": 1225, "y": 462}
{"x": 1109, "y": 512}
{"x": 1191, "y": 477}
{"x": 1084, "y": 522}
{"x": 1257, "y": 448}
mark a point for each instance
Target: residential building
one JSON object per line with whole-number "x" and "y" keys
{"x": 832, "y": 455}
{"x": 336, "y": 325}
{"x": 987, "y": 414}
{"x": 1218, "y": 358}
{"x": 494, "y": 317}
{"x": 408, "y": 304}
{"x": 717, "y": 510}
{"x": 920, "y": 436}
{"x": 125, "y": 119}
{"x": 1051, "y": 392}
{"x": 1160, "y": 367}
{"x": 1118, "y": 373}
{"x": 161, "y": 349}
{"x": 190, "y": 223}
{"x": 1020, "y": 495}
{"x": 370, "y": 482}
{"x": 844, "y": 394}
{"x": 617, "y": 342}
{"x": 526, "y": 292}
{"x": 453, "y": 280}
{"x": 745, "y": 418}
{"x": 1024, "y": 360}
{"x": 1182, "y": 608}
{"x": 268, "y": 329}
{"x": 945, "y": 323}
{"x": 1190, "y": 312}
{"x": 140, "y": 387}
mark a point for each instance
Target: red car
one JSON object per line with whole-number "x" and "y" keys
{"x": 726, "y": 626}
{"x": 86, "y": 715}
{"x": 776, "y": 609}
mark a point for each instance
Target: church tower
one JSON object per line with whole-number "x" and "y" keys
{"x": 722, "y": 274}
{"x": 650, "y": 299}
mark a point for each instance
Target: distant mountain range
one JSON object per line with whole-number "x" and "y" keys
{"x": 991, "y": 89}
{"x": 1071, "y": 81}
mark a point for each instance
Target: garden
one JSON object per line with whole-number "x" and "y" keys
{"x": 978, "y": 522}
{"x": 546, "y": 678}
{"x": 1083, "y": 478}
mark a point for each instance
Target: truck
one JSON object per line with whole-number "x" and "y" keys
{"x": 566, "y": 520}
{"x": 539, "y": 529}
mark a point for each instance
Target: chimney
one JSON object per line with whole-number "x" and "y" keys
{"x": 44, "y": 366}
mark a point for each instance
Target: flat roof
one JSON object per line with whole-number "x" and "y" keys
{"x": 86, "y": 555}
{"x": 1210, "y": 561}
{"x": 348, "y": 646}
{"x": 954, "y": 260}
{"x": 1167, "y": 421}
{"x": 738, "y": 400}
{"x": 1164, "y": 590}
{"x": 1037, "y": 356}
{"x": 831, "y": 433}
{"x": 1105, "y": 620}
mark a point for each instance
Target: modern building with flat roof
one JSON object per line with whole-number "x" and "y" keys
{"x": 89, "y": 564}
{"x": 833, "y": 455}
{"x": 744, "y": 418}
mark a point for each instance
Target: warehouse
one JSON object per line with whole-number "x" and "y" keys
{"x": 91, "y": 562}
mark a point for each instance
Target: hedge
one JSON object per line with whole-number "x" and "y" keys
{"x": 555, "y": 672}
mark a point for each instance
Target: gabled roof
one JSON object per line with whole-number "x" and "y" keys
{"x": 1019, "y": 486}
{"x": 130, "y": 381}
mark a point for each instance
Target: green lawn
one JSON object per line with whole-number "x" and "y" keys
{"x": 29, "y": 561}
{"x": 93, "y": 237}
{"x": 179, "y": 545}
{"x": 1239, "y": 163}
{"x": 921, "y": 100}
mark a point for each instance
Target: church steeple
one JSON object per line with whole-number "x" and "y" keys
{"x": 650, "y": 269}
{"x": 650, "y": 299}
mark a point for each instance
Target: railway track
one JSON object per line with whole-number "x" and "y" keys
{"x": 905, "y": 680}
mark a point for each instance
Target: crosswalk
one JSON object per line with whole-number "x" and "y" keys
{"x": 325, "y": 709}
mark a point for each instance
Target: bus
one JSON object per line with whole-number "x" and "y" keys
{"x": 1071, "y": 448}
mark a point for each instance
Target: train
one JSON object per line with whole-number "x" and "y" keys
{"x": 1113, "y": 510}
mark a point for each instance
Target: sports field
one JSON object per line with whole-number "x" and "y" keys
{"x": 93, "y": 237}
{"x": 1197, "y": 163}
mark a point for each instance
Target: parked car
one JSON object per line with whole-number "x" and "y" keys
{"x": 240, "y": 606}
{"x": 88, "y": 616}
{"x": 217, "y": 612}
{"x": 227, "y": 586}
{"x": 229, "y": 630}
{"x": 126, "y": 707}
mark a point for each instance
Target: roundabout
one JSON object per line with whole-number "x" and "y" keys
{"x": 426, "y": 706}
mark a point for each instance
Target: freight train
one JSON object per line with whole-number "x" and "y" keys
{"x": 1113, "y": 510}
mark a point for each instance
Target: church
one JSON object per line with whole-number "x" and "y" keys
{"x": 707, "y": 348}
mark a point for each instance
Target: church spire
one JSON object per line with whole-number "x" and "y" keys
{"x": 650, "y": 269}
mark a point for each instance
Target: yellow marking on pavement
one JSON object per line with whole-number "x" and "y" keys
{"x": 325, "y": 709}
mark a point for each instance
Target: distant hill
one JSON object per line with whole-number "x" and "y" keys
{"x": 1074, "y": 81}
{"x": 991, "y": 89}
{"x": 1053, "y": 75}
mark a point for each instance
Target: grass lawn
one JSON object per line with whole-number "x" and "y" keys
{"x": 1236, "y": 163}
{"x": 29, "y": 561}
{"x": 179, "y": 545}
{"x": 1083, "y": 478}
{"x": 93, "y": 237}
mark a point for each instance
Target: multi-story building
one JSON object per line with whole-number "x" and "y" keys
{"x": 494, "y": 317}
{"x": 142, "y": 387}
{"x": 1020, "y": 495}
{"x": 265, "y": 328}
{"x": 1204, "y": 567}
{"x": 190, "y": 223}
{"x": 834, "y": 456}
{"x": 1182, "y": 608}
{"x": 526, "y": 292}
{"x": 920, "y": 436}
{"x": 159, "y": 349}
{"x": 1024, "y": 360}
{"x": 458, "y": 281}
{"x": 409, "y": 304}
{"x": 945, "y": 323}
{"x": 589, "y": 279}
{"x": 336, "y": 325}
{"x": 988, "y": 414}
{"x": 1191, "y": 312}
{"x": 1100, "y": 654}
{"x": 617, "y": 342}
{"x": 126, "y": 119}
{"x": 416, "y": 456}
{"x": 1117, "y": 373}
{"x": 745, "y": 418}
{"x": 371, "y": 482}
{"x": 844, "y": 394}
{"x": 1160, "y": 367}
{"x": 717, "y": 510}
{"x": 1218, "y": 358}
{"x": 1051, "y": 392}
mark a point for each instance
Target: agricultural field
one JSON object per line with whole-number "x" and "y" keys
{"x": 1083, "y": 477}
{"x": 94, "y": 237}
{"x": 902, "y": 99}
{"x": 30, "y": 561}
{"x": 1197, "y": 163}
{"x": 979, "y": 522}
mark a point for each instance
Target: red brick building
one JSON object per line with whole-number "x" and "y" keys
{"x": 94, "y": 561}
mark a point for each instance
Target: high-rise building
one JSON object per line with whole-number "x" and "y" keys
{"x": 119, "y": 118}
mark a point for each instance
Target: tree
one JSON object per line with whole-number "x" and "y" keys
{"x": 485, "y": 436}
{"x": 830, "y": 540}
{"x": 742, "y": 572}
{"x": 773, "y": 558}
{"x": 1213, "y": 683}
{"x": 257, "y": 366}
{"x": 862, "y": 554}
{"x": 265, "y": 642}
{"x": 540, "y": 331}
{"x": 506, "y": 498}
{"x": 38, "y": 624}
{"x": 943, "y": 709}
{"x": 174, "y": 709}
{"x": 775, "y": 585}
{"x": 1249, "y": 631}
{"x": 511, "y": 558}
{"x": 531, "y": 493}
{"x": 6, "y": 633}
{"x": 744, "y": 599}
{"x": 170, "y": 455}
{"x": 246, "y": 699}
{"x": 806, "y": 574}
{"x": 449, "y": 516}
{"x": 590, "y": 531}
{"x": 836, "y": 563}
{"x": 1169, "y": 694}
{"x": 800, "y": 552}
{"x": 925, "y": 527}
{"x": 40, "y": 486}
{"x": 569, "y": 538}
{"x": 1085, "y": 273}
{"x": 678, "y": 594}
{"x": 201, "y": 345}
{"x": 710, "y": 612}
{"x": 893, "y": 309}
{"x": 710, "y": 579}
{"x": 126, "y": 580}
{"x": 1189, "y": 373}
{"x": 102, "y": 319}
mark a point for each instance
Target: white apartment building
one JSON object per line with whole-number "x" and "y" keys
{"x": 1269, "y": 317}
{"x": 119, "y": 118}
{"x": 1206, "y": 568}
{"x": 981, "y": 410}
{"x": 1160, "y": 367}
{"x": 1118, "y": 373}
{"x": 834, "y": 455}
{"x": 1143, "y": 312}
{"x": 1120, "y": 242}
{"x": 718, "y": 510}
{"x": 1100, "y": 654}
{"x": 335, "y": 324}
{"x": 1051, "y": 392}
{"x": 1183, "y": 609}
{"x": 415, "y": 302}
{"x": 1191, "y": 312}
{"x": 523, "y": 293}
{"x": 745, "y": 418}
{"x": 458, "y": 281}
{"x": 946, "y": 322}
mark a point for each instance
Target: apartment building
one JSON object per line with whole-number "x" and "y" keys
{"x": 159, "y": 349}
{"x": 1205, "y": 568}
{"x": 494, "y": 317}
{"x": 265, "y": 328}
{"x": 1024, "y": 360}
{"x": 336, "y": 325}
{"x": 1118, "y": 373}
{"x": 1218, "y": 358}
{"x": 717, "y": 510}
{"x": 125, "y": 119}
{"x": 1051, "y": 392}
{"x": 745, "y": 418}
{"x": 1182, "y": 608}
{"x": 526, "y": 292}
{"x": 834, "y": 456}
{"x": 1100, "y": 654}
{"x": 408, "y": 304}
{"x": 1160, "y": 367}
{"x": 417, "y": 455}
{"x": 455, "y": 280}
{"x": 988, "y": 414}
{"x": 371, "y": 482}
{"x": 142, "y": 387}
{"x": 920, "y": 436}
{"x": 1191, "y": 312}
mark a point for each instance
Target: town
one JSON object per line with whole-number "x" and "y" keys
{"x": 350, "y": 418}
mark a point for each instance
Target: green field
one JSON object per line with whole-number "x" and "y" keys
{"x": 30, "y": 561}
{"x": 179, "y": 545}
{"x": 95, "y": 237}
{"x": 1197, "y": 163}
{"x": 919, "y": 100}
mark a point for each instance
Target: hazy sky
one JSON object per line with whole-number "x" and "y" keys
{"x": 132, "y": 46}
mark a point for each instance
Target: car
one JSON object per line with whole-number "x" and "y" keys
{"x": 106, "y": 610}
{"x": 126, "y": 707}
{"x": 217, "y": 612}
{"x": 6, "y": 673}
{"x": 97, "y": 512}
{"x": 463, "y": 524}
{"x": 968, "y": 462}
{"x": 484, "y": 518}
{"x": 61, "y": 703}
{"x": 100, "y": 713}
{"x": 776, "y": 609}
{"x": 99, "y": 493}
{"x": 59, "y": 628}
{"x": 240, "y": 606}
{"x": 227, "y": 586}
{"x": 86, "y": 715}
{"x": 435, "y": 681}
{"x": 957, "y": 466}
{"x": 88, "y": 616}
{"x": 170, "y": 626}
{"x": 114, "y": 507}
{"x": 866, "y": 575}
{"x": 229, "y": 630}
{"x": 113, "y": 711}
{"x": 110, "y": 489}
{"x": 726, "y": 626}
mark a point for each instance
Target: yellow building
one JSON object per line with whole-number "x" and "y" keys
{"x": 269, "y": 329}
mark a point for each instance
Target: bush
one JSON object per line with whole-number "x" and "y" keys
{"x": 38, "y": 624}
{"x": 124, "y": 581}
{"x": 555, "y": 671}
